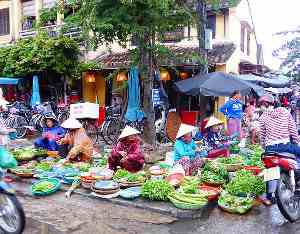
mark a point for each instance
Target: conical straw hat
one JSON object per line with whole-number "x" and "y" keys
{"x": 71, "y": 123}
{"x": 185, "y": 129}
{"x": 128, "y": 131}
{"x": 212, "y": 122}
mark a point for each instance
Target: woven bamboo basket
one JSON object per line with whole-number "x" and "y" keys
{"x": 172, "y": 125}
{"x": 105, "y": 192}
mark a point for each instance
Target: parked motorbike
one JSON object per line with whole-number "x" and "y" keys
{"x": 282, "y": 174}
{"x": 12, "y": 217}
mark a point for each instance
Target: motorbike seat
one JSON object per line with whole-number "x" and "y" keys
{"x": 281, "y": 154}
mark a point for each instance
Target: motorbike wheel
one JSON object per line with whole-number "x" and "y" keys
{"x": 12, "y": 217}
{"x": 288, "y": 204}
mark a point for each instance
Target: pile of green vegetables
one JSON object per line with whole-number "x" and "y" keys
{"x": 27, "y": 153}
{"x": 234, "y": 149}
{"x": 135, "y": 177}
{"x": 254, "y": 157}
{"x": 83, "y": 167}
{"x": 237, "y": 204}
{"x": 43, "y": 186}
{"x": 190, "y": 185}
{"x": 44, "y": 166}
{"x": 255, "y": 148}
{"x": 231, "y": 160}
{"x": 157, "y": 190}
{"x": 22, "y": 170}
{"x": 120, "y": 173}
{"x": 101, "y": 162}
{"x": 214, "y": 173}
{"x": 126, "y": 176}
{"x": 244, "y": 182}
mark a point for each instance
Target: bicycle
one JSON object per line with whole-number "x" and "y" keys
{"x": 91, "y": 128}
{"x": 62, "y": 113}
{"x": 110, "y": 128}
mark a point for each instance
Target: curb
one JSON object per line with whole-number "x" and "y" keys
{"x": 164, "y": 208}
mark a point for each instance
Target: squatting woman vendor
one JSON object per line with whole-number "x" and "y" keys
{"x": 185, "y": 150}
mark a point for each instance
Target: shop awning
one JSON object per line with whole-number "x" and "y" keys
{"x": 276, "y": 82}
{"x": 279, "y": 90}
{"x": 216, "y": 84}
{"x": 8, "y": 81}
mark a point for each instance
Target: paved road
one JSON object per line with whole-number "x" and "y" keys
{"x": 87, "y": 216}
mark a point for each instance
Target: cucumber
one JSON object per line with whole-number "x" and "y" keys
{"x": 188, "y": 200}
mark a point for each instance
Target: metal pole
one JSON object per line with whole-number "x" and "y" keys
{"x": 65, "y": 91}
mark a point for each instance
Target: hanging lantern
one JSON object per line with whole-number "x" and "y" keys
{"x": 122, "y": 76}
{"x": 90, "y": 77}
{"x": 164, "y": 74}
{"x": 184, "y": 75}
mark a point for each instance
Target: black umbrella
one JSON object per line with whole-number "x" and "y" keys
{"x": 213, "y": 84}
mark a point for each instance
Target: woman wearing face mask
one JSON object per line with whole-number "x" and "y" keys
{"x": 185, "y": 150}
{"x": 77, "y": 139}
{"x": 215, "y": 139}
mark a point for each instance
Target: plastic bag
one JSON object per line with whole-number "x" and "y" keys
{"x": 6, "y": 159}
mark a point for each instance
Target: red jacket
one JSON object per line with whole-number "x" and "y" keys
{"x": 135, "y": 159}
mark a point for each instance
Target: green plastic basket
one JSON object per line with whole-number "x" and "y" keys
{"x": 56, "y": 187}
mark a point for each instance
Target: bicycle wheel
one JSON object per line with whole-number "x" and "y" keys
{"x": 114, "y": 130}
{"x": 102, "y": 129}
{"x": 63, "y": 116}
{"x": 91, "y": 130}
{"x": 18, "y": 123}
{"x": 106, "y": 133}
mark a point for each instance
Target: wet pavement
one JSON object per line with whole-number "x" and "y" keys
{"x": 55, "y": 214}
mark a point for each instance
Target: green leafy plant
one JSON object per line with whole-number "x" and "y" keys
{"x": 158, "y": 190}
{"x": 244, "y": 182}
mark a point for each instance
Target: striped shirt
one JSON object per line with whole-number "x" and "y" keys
{"x": 277, "y": 126}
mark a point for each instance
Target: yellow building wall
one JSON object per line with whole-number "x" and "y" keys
{"x": 220, "y": 32}
{"x": 92, "y": 89}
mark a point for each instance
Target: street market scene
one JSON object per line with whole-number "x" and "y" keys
{"x": 149, "y": 116}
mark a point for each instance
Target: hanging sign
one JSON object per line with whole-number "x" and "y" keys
{"x": 155, "y": 97}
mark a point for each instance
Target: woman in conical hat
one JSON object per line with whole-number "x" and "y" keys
{"x": 51, "y": 133}
{"x": 127, "y": 153}
{"x": 185, "y": 150}
{"x": 214, "y": 138}
{"x": 77, "y": 138}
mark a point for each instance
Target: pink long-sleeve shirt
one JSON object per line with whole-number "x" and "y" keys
{"x": 277, "y": 126}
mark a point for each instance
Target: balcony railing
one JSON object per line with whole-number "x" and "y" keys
{"x": 53, "y": 31}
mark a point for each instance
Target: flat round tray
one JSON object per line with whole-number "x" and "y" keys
{"x": 106, "y": 185}
{"x": 131, "y": 193}
{"x": 56, "y": 187}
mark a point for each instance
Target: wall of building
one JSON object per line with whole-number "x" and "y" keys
{"x": 220, "y": 29}
{"x": 91, "y": 90}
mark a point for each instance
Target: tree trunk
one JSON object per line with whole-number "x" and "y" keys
{"x": 201, "y": 26}
{"x": 147, "y": 73}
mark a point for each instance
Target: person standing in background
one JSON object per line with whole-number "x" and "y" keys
{"x": 233, "y": 111}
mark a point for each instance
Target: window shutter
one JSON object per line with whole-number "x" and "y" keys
{"x": 48, "y": 3}
{"x": 4, "y": 22}
{"x": 28, "y": 8}
{"x": 242, "y": 38}
{"x": 248, "y": 42}
{"x": 211, "y": 24}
